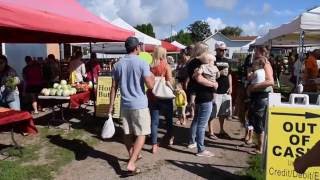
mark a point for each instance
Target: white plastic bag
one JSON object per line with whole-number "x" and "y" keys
{"x": 108, "y": 129}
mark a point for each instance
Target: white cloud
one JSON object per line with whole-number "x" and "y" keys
{"x": 174, "y": 32}
{"x": 285, "y": 12}
{"x": 221, "y": 4}
{"x": 249, "y": 12}
{"x": 215, "y": 24}
{"x": 251, "y": 28}
{"x": 266, "y": 8}
{"x": 161, "y": 14}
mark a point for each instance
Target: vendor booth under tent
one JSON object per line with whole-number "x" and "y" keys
{"x": 58, "y": 21}
{"x": 179, "y": 45}
{"x": 145, "y": 39}
{"x": 119, "y": 48}
{"x": 289, "y": 33}
{"x": 167, "y": 45}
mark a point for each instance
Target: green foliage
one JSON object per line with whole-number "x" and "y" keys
{"x": 183, "y": 38}
{"x": 146, "y": 29}
{"x": 231, "y": 31}
{"x": 200, "y": 30}
{"x": 256, "y": 171}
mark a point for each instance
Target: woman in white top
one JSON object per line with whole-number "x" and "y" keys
{"x": 78, "y": 67}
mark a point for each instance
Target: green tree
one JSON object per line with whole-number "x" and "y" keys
{"x": 146, "y": 29}
{"x": 183, "y": 38}
{"x": 231, "y": 31}
{"x": 200, "y": 30}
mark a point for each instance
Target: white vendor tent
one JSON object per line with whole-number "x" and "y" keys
{"x": 118, "y": 47}
{"x": 179, "y": 45}
{"x": 289, "y": 33}
{"x": 141, "y": 36}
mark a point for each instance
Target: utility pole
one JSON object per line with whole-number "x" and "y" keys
{"x": 171, "y": 26}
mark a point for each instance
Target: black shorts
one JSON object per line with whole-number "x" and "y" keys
{"x": 258, "y": 113}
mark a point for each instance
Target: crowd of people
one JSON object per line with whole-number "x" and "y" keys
{"x": 203, "y": 88}
{"x": 202, "y": 83}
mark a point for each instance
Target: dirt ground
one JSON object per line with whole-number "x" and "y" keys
{"x": 107, "y": 159}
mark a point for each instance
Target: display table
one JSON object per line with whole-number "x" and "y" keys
{"x": 21, "y": 119}
{"x": 9, "y": 116}
{"x": 74, "y": 102}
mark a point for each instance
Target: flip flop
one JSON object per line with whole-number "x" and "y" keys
{"x": 213, "y": 137}
{"x": 248, "y": 142}
{"x": 255, "y": 152}
{"x": 133, "y": 173}
{"x": 224, "y": 136}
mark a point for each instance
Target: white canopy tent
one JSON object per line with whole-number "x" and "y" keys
{"x": 179, "y": 45}
{"x": 141, "y": 36}
{"x": 289, "y": 33}
{"x": 118, "y": 47}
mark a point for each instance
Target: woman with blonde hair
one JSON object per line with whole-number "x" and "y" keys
{"x": 160, "y": 67}
{"x": 196, "y": 51}
{"x": 201, "y": 91}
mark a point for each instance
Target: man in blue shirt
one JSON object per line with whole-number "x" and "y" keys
{"x": 130, "y": 75}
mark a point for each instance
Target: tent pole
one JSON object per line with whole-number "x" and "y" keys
{"x": 92, "y": 81}
{"x": 301, "y": 55}
{"x": 61, "y": 53}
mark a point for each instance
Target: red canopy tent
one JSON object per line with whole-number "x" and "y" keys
{"x": 168, "y": 46}
{"x": 53, "y": 21}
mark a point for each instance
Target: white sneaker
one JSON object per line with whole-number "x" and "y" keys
{"x": 205, "y": 153}
{"x": 191, "y": 146}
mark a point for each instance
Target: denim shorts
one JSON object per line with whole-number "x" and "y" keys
{"x": 258, "y": 113}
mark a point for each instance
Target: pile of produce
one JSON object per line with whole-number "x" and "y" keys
{"x": 82, "y": 87}
{"x": 62, "y": 89}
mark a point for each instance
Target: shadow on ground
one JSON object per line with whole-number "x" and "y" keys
{"x": 82, "y": 151}
{"x": 206, "y": 171}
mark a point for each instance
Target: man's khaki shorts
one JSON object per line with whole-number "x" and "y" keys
{"x": 136, "y": 122}
{"x": 221, "y": 106}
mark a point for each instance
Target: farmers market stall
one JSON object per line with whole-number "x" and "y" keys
{"x": 74, "y": 95}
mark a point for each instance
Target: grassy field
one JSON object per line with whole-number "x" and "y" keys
{"x": 44, "y": 159}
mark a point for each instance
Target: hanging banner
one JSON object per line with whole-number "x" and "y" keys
{"x": 293, "y": 129}
{"x": 103, "y": 98}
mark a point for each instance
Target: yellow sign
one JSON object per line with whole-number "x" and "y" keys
{"x": 292, "y": 131}
{"x": 103, "y": 98}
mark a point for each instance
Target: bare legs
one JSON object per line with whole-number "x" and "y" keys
{"x": 35, "y": 107}
{"x": 133, "y": 149}
{"x": 221, "y": 121}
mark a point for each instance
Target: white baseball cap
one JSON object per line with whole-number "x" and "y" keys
{"x": 220, "y": 45}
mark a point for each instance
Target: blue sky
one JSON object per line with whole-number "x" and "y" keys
{"x": 255, "y": 17}
{"x": 244, "y": 13}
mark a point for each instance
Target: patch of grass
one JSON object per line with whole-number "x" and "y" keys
{"x": 255, "y": 171}
{"x": 12, "y": 170}
{"x": 52, "y": 160}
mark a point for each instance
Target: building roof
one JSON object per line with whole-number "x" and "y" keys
{"x": 242, "y": 38}
{"x": 234, "y": 38}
